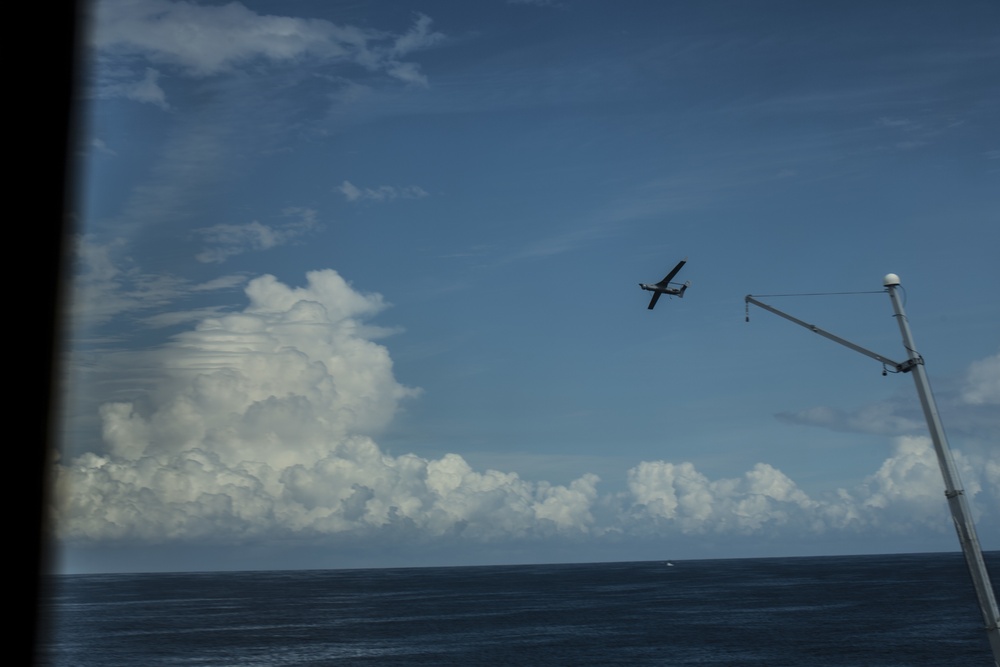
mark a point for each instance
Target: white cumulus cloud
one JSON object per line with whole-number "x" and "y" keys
{"x": 260, "y": 424}
{"x": 695, "y": 504}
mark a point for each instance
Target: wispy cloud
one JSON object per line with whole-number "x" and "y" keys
{"x": 146, "y": 90}
{"x": 538, "y": 3}
{"x": 206, "y": 40}
{"x": 899, "y": 123}
{"x": 381, "y": 193}
{"x": 884, "y": 418}
{"x": 109, "y": 284}
{"x": 220, "y": 283}
{"x": 969, "y": 403}
{"x": 183, "y": 172}
{"x": 227, "y": 240}
{"x": 419, "y": 37}
{"x": 101, "y": 146}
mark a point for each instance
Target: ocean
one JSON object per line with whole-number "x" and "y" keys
{"x": 906, "y": 609}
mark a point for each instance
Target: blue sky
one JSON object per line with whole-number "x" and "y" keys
{"x": 357, "y": 283}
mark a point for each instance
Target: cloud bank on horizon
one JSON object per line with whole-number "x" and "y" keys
{"x": 262, "y": 422}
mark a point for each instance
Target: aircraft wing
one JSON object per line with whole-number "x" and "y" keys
{"x": 673, "y": 272}
{"x": 652, "y": 302}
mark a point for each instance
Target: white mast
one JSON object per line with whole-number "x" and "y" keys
{"x": 957, "y": 502}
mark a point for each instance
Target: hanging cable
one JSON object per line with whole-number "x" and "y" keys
{"x": 747, "y": 303}
{"x": 881, "y": 291}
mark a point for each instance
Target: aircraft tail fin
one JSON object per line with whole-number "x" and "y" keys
{"x": 683, "y": 288}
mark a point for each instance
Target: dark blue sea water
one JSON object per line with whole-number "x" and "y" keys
{"x": 914, "y": 609}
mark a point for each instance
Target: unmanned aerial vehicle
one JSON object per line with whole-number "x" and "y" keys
{"x": 663, "y": 287}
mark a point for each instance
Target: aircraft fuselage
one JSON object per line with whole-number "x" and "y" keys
{"x": 661, "y": 289}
